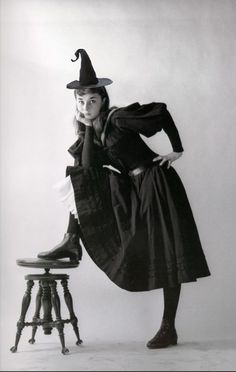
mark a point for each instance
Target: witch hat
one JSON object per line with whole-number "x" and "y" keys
{"x": 87, "y": 78}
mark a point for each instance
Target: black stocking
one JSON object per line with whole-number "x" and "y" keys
{"x": 171, "y": 300}
{"x": 73, "y": 225}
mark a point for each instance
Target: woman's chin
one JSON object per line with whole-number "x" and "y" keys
{"x": 90, "y": 117}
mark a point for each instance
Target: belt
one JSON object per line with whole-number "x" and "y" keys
{"x": 136, "y": 171}
{"x": 141, "y": 168}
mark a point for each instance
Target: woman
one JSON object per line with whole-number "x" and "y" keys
{"x": 134, "y": 217}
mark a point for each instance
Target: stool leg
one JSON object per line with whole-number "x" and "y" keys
{"x": 24, "y": 307}
{"x": 36, "y": 316}
{"x": 69, "y": 303}
{"x": 57, "y": 308}
{"x": 47, "y": 307}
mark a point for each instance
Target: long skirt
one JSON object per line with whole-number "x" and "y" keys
{"x": 139, "y": 230}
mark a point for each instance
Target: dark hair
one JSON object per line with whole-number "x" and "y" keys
{"x": 105, "y": 106}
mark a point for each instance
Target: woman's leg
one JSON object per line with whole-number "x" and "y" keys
{"x": 73, "y": 225}
{"x": 171, "y": 301}
{"x": 167, "y": 335}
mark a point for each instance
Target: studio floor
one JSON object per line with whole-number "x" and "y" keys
{"x": 102, "y": 355}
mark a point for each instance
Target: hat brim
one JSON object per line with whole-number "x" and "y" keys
{"x": 101, "y": 83}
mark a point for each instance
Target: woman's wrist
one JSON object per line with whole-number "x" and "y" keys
{"x": 178, "y": 152}
{"x": 88, "y": 123}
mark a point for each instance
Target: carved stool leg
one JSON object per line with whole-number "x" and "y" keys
{"x": 69, "y": 303}
{"x": 47, "y": 307}
{"x": 57, "y": 308}
{"x": 24, "y": 307}
{"x": 36, "y": 316}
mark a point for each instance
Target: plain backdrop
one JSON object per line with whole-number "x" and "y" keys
{"x": 180, "y": 52}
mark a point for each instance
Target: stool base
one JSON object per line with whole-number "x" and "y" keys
{"x": 47, "y": 298}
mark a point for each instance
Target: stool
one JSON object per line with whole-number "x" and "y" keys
{"x": 48, "y": 298}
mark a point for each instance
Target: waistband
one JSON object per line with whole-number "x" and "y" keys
{"x": 142, "y": 168}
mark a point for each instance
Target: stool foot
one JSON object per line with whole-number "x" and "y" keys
{"x": 18, "y": 336}
{"x": 65, "y": 350}
{"x": 31, "y": 341}
{"x": 79, "y": 342}
{"x": 13, "y": 349}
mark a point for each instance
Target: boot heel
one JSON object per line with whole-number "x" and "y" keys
{"x": 174, "y": 342}
{"x": 74, "y": 257}
{"x": 75, "y": 254}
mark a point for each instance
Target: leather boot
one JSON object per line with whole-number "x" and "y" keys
{"x": 165, "y": 337}
{"x": 69, "y": 247}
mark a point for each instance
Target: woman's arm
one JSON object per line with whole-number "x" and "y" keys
{"x": 87, "y": 156}
{"x": 173, "y": 135}
{"x": 170, "y": 129}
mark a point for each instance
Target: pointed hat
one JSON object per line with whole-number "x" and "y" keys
{"x": 87, "y": 78}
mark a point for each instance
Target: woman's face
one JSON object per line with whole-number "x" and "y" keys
{"x": 89, "y": 104}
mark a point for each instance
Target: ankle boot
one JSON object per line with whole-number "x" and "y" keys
{"x": 165, "y": 337}
{"x": 69, "y": 247}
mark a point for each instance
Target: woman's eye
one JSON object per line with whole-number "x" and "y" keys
{"x": 93, "y": 101}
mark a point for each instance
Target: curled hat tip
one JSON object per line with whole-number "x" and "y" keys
{"x": 77, "y": 53}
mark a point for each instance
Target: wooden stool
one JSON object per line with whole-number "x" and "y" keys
{"x": 47, "y": 297}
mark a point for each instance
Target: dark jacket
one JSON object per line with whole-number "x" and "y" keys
{"x": 121, "y": 144}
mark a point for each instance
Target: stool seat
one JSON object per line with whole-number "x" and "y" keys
{"x": 48, "y": 298}
{"x": 47, "y": 264}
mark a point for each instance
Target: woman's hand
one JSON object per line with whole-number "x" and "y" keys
{"x": 170, "y": 158}
{"x": 80, "y": 117}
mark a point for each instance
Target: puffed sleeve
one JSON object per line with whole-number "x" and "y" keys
{"x": 148, "y": 119}
{"x": 144, "y": 119}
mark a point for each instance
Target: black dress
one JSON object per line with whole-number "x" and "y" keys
{"x": 140, "y": 229}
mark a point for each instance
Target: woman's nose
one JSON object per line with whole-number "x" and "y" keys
{"x": 86, "y": 106}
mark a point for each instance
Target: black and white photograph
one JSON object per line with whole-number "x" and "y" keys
{"x": 117, "y": 224}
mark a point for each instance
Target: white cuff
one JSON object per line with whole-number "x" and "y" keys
{"x": 66, "y": 192}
